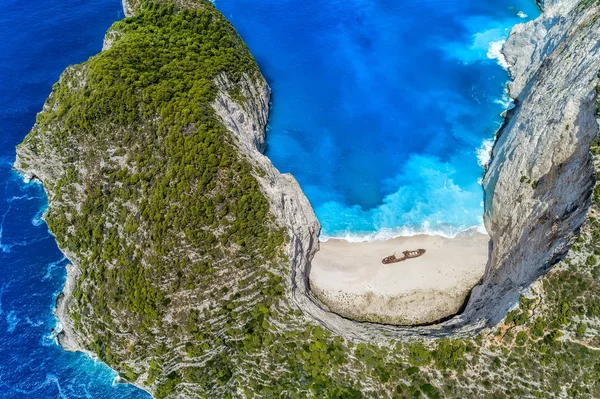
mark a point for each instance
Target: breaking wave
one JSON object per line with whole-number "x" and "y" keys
{"x": 495, "y": 53}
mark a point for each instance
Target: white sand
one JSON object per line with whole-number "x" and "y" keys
{"x": 352, "y": 281}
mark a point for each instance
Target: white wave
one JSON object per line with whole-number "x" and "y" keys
{"x": 21, "y": 197}
{"x": 389, "y": 234}
{"x": 521, "y": 14}
{"x": 33, "y": 323}
{"x": 5, "y": 248}
{"x": 50, "y": 380}
{"x": 49, "y": 339}
{"x": 52, "y": 338}
{"x": 58, "y": 327}
{"x": 505, "y": 101}
{"x": 481, "y": 228}
{"x": 51, "y": 267}
{"x": 424, "y": 199}
{"x": 27, "y": 179}
{"x": 38, "y": 219}
{"x": 484, "y": 152}
{"x": 495, "y": 53}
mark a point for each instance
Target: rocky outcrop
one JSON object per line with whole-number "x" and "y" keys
{"x": 128, "y": 7}
{"x": 540, "y": 180}
{"x": 541, "y": 177}
{"x": 537, "y": 187}
{"x": 530, "y": 43}
{"x": 247, "y": 119}
{"x": 66, "y": 335}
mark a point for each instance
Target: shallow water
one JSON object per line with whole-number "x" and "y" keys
{"x": 380, "y": 107}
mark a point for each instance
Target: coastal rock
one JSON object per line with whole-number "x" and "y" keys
{"x": 110, "y": 38}
{"x": 67, "y": 336}
{"x": 247, "y": 119}
{"x": 532, "y": 42}
{"x": 539, "y": 183}
{"x": 537, "y": 187}
{"x": 246, "y": 116}
{"x": 128, "y": 7}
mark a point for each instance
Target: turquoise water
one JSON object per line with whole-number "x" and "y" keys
{"x": 380, "y": 107}
{"x": 378, "y": 110}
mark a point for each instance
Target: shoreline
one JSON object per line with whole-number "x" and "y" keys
{"x": 350, "y": 279}
{"x": 389, "y": 234}
{"x": 438, "y": 302}
{"x": 64, "y": 333}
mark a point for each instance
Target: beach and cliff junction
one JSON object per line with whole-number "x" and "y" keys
{"x": 350, "y": 278}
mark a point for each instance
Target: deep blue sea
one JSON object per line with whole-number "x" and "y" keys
{"x": 380, "y": 110}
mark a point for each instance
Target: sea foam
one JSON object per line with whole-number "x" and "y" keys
{"x": 495, "y": 53}
{"x": 389, "y": 234}
{"x": 484, "y": 153}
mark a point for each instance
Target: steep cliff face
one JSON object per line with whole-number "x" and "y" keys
{"x": 191, "y": 252}
{"x": 247, "y": 120}
{"x": 539, "y": 183}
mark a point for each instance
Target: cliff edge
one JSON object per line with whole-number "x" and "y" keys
{"x": 539, "y": 183}
{"x": 191, "y": 252}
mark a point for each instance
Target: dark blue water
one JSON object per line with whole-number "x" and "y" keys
{"x": 378, "y": 109}
{"x": 380, "y": 106}
{"x": 38, "y": 39}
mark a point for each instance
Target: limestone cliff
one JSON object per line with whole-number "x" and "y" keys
{"x": 191, "y": 252}
{"x": 539, "y": 183}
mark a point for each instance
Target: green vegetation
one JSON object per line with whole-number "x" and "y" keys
{"x": 584, "y": 5}
{"x": 184, "y": 286}
{"x": 143, "y": 99}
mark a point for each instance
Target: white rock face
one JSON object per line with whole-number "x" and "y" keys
{"x": 541, "y": 176}
{"x": 128, "y": 9}
{"x": 530, "y": 43}
{"x": 110, "y": 38}
{"x": 247, "y": 121}
{"x": 67, "y": 336}
{"x": 537, "y": 187}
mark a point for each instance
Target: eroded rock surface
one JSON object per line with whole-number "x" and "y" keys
{"x": 540, "y": 180}
{"x": 537, "y": 187}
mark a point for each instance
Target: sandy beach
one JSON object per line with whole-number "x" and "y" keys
{"x": 352, "y": 281}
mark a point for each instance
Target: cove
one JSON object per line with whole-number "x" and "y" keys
{"x": 383, "y": 110}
